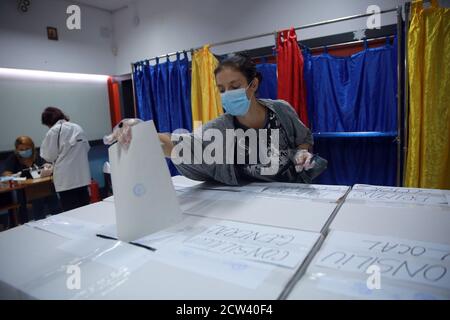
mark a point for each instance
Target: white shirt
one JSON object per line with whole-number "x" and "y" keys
{"x": 66, "y": 146}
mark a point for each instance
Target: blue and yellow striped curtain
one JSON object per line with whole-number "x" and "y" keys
{"x": 428, "y": 158}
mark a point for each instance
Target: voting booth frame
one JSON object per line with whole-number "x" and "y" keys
{"x": 400, "y": 136}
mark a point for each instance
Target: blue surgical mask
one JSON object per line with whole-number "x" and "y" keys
{"x": 25, "y": 153}
{"x": 235, "y": 102}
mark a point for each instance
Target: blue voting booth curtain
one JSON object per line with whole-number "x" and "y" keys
{"x": 163, "y": 94}
{"x": 357, "y": 160}
{"x": 268, "y": 87}
{"x": 354, "y": 94}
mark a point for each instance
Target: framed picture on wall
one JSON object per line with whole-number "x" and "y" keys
{"x": 52, "y": 33}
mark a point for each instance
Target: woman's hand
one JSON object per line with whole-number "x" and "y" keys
{"x": 302, "y": 160}
{"x": 122, "y": 133}
{"x": 47, "y": 170}
{"x": 166, "y": 144}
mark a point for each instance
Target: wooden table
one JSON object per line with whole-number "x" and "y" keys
{"x": 5, "y": 187}
{"x": 29, "y": 190}
{"x": 37, "y": 188}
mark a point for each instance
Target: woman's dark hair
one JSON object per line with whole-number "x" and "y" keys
{"x": 52, "y": 115}
{"x": 242, "y": 63}
{"x": 24, "y": 140}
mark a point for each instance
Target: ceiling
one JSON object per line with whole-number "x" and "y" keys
{"x": 108, "y": 5}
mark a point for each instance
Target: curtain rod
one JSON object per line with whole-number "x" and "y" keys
{"x": 274, "y": 33}
{"x": 331, "y": 46}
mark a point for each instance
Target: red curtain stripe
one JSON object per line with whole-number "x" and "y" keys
{"x": 114, "y": 102}
{"x": 291, "y": 84}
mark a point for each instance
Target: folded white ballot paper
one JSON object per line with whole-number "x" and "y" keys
{"x": 144, "y": 196}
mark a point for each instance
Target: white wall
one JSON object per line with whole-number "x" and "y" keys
{"x": 164, "y": 26}
{"x": 24, "y": 43}
{"x": 171, "y": 25}
{"x": 23, "y": 100}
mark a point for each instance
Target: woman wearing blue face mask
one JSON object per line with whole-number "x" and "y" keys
{"x": 275, "y": 125}
{"x": 24, "y": 157}
{"x": 238, "y": 81}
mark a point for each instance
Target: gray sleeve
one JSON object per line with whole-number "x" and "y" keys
{"x": 192, "y": 170}
{"x": 299, "y": 132}
{"x": 197, "y": 169}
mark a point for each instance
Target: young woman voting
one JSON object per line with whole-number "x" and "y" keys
{"x": 254, "y": 140}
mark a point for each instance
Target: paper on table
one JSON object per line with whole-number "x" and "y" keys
{"x": 399, "y": 195}
{"x": 221, "y": 187}
{"x": 170, "y": 249}
{"x": 251, "y": 207}
{"x": 243, "y": 273}
{"x": 11, "y": 178}
{"x": 182, "y": 246}
{"x": 194, "y": 200}
{"x": 370, "y": 187}
{"x": 242, "y": 241}
{"x": 302, "y": 191}
{"x": 66, "y": 227}
{"x": 208, "y": 194}
{"x": 171, "y": 237}
{"x": 286, "y": 248}
{"x": 144, "y": 196}
{"x": 35, "y": 174}
{"x": 405, "y": 260}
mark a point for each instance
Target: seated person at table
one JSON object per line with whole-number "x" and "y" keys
{"x": 25, "y": 156}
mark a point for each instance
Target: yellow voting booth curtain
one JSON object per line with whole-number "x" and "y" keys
{"x": 428, "y": 159}
{"x": 205, "y": 97}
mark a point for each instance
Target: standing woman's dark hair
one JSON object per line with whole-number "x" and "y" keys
{"x": 241, "y": 63}
{"x": 52, "y": 115}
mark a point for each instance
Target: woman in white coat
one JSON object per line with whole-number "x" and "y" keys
{"x": 66, "y": 146}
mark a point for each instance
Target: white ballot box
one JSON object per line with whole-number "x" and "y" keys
{"x": 363, "y": 266}
{"x": 298, "y": 206}
{"x": 198, "y": 258}
{"x": 404, "y": 233}
{"x": 410, "y": 213}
